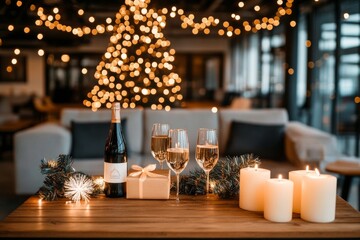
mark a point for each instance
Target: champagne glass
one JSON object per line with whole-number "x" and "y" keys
{"x": 207, "y": 152}
{"x": 177, "y": 154}
{"x": 159, "y": 138}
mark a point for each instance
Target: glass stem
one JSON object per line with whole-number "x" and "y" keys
{"x": 177, "y": 187}
{"x": 161, "y": 164}
{"x": 207, "y": 183}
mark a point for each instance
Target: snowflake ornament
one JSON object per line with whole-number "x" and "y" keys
{"x": 79, "y": 187}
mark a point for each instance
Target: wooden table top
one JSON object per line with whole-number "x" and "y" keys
{"x": 14, "y": 126}
{"x": 195, "y": 217}
{"x": 344, "y": 167}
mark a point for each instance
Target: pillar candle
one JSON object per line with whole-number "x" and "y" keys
{"x": 318, "y": 198}
{"x": 278, "y": 199}
{"x": 251, "y": 193}
{"x": 296, "y": 177}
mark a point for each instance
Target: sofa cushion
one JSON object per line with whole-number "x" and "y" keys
{"x": 89, "y": 138}
{"x": 134, "y": 122}
{"x": 258, "y": 116}
{"x": 263, "y": 140}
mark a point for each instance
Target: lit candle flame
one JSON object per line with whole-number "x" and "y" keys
{"x": 256, "y": 167}
{"x": 317, "y": 172}
{"x": 280, "y": 177}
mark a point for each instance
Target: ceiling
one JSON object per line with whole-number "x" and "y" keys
{"x": 22, "y": 17}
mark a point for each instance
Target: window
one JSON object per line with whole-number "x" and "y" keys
{"x": 69, "y": 82}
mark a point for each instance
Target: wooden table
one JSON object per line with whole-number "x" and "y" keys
{"x": 9, "y": 128}
{"x": 194, "y": 217}
{"x": 348, "y": 170}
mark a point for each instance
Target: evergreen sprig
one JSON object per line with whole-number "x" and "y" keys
{"x": 225, "y": 176}
{"x": 57, "y": 172}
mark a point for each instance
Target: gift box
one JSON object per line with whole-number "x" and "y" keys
{"x": 148, "y": 183}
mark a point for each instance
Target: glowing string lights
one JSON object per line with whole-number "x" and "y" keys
{"x": 226, "y": 29}
{"x": 137, "y": 67}
{"x": 52, "y": 21}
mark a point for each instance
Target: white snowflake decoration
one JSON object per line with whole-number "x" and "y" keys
{"x": 79, "y": 187}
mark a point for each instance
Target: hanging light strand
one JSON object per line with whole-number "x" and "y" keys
{"x": 225, "y": 28}
{"x": 52, "y": 22}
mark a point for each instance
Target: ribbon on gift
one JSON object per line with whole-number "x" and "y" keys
{"x": 144, "y": 173}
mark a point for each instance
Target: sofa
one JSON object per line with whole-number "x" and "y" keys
{"x": 301, "y": 144}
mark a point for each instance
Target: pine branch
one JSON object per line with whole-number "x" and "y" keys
{"x": 57, "y": 172}
{"x": 225, "y": 177}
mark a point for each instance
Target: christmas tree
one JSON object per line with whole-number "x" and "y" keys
{"x": 137, "y": 67}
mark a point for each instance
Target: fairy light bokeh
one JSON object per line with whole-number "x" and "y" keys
{"x": 137, "y": 68}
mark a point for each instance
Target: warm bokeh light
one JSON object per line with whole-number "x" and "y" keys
{"x": 357, "y": 100}
{"x": 41, "y": 52}
{"x": 192, "y": 21}
{"x": 137, "y": 67}
{"x": 290, "y": 71}
{"x": 139, "y": 61}
{"x": 65, "y": 58}
{"x": 40, "y": 36}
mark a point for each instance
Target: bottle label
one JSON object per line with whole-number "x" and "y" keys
{"x": 115, "y": 172}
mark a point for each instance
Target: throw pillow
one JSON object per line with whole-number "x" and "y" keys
{"x": 264, "y": 141}
{"x": 88, "y": 138}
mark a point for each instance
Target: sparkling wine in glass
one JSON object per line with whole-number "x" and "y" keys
{"x": 207, "y": 152}
{"x": 159, "y": 142}
{"x": 177, "y": 154}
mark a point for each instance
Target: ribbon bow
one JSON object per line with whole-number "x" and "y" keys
{"x": 144, "y": 172}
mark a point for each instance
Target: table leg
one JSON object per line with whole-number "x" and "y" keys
{"x": 346, "y": 187}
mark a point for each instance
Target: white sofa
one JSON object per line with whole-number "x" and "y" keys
{"x": 303, "y": 144}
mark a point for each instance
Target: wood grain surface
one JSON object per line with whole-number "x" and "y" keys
{"x": 344, "y": 167}
{"x": 193, "y": 217}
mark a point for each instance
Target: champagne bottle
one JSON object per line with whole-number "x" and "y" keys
{"x": 115, "y": 161}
